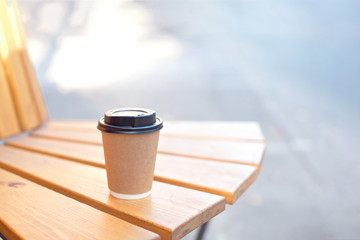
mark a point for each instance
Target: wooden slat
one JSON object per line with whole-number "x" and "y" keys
{"x": 9, "y": 124}
{"x": 224, "y": 130}
{"x": 71, "y": 124}
{"x": 89, "y": 137}
{"x": 170, "y": 211}
{"x": 24, "y": 55}
{"x": 228, "y": 151}
{"x": 30, "y": 211}
{"x": 20, "y": 88}
{"x": 226, "y": 179}
{"x": 217, "y": 130}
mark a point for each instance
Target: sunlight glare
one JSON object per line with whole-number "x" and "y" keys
{"x": 117, "y": 44}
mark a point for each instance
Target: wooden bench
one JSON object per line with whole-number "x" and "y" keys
{"x": 52, "y": 176}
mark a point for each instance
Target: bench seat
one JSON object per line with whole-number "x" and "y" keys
{"x": 190, "y": 187}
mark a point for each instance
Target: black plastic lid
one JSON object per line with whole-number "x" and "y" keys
{"x": 130, "y": 121}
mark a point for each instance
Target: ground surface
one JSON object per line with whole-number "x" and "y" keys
{"x": 291, "y": 66}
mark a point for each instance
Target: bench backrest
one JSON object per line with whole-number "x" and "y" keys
{"x": 22, "y": 106}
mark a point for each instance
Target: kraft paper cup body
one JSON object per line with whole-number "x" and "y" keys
{"x": 130, "y": 140}
{"x": 130, "y": 163}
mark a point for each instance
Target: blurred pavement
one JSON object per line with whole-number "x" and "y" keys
{"x": 291, "y": 66}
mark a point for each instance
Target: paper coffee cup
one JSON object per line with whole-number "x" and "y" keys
{"x": 130, "y": 140}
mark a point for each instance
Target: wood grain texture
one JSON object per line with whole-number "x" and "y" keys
{"x": 217, "y": 130}
{"x": 30, "y": 211}
{"x": 25, "y": 59}
{"x": 225, "y": 179}
{"x": 170, "y": 211}
{"x": 250, "y": 153}
{"x": 9, "y": 124}
{"x": 21, "y": 91}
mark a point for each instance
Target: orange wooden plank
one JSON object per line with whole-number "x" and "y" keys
{"x": 89, "y": 137}
{"x": 72, "y": 124}
{"x": 30, "y": 211}
{"x": 228, "y": 151}
{"x": 24, "y": 55}
{"x": 9, "y": 124}
{"x": 19, "y": 85}
{"x": 225, "y": 179}
{"x": 170, "y": 211}
{"x": 216, "y": 130}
